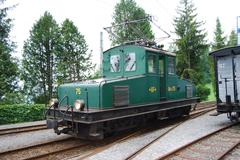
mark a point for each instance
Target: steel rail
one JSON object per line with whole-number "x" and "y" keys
{"x": 100, "y": 149}
{"x": 229, "y": 150}
{"x": 45, "y": 155}
{"x": 193, "y": 115}
{"x": 6, "y": 131}
{"x": 32, "y": 146}
{"x": 168, "y": 155}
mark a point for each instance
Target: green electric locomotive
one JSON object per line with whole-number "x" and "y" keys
{"x": 139, "y": 83}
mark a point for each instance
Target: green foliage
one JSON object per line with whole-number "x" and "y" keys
{"x": 203, "y": 91}
{"x": 212, "y": 96}
{"x": 219, "y": 39}
{"x": 191, "y": 44}
{"x": 40, "y": 99}
{"x": 96, "y": 74}
{"x": 126, "y": 11}
{"x": 21, "y": 113}
{"x": 191, "y": 47}
{"x": 39, "y": 57}
{"x": 232, "y": 41}
{"x": 219, "y": 42}
{"x": 8, "y": 66}
{"x": 53, "y": 55}
{"x": 15, "y": 97}
{"x": 73, "y": 59}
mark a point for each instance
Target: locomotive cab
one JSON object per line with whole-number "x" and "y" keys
{"x": 139, "y": 83}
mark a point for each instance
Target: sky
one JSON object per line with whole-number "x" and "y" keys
{"x": 90, "y": 16}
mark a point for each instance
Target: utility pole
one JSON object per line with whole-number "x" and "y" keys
{"x": 101, "y": 53}
{"x": 238, "y": 30}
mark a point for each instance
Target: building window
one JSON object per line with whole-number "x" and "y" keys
{"x": 115, "y": 63}
{"x": 130, "y": 62}
{"x": 161, "y": 67}
{"x": 152, "y": 64}
{"x": 171, "y": 65}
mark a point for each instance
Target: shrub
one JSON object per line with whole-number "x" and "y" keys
{"x": 203, "y": 92}
{"x": 21, "y": 113}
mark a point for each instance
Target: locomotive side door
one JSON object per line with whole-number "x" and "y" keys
{"x": 162, "y": 77}
{"x": 225, "y": 78}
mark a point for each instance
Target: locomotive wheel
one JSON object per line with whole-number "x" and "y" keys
{"x": 233, "y": 116}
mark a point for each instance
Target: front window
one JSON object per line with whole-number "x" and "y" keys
{"x": 115, "y": 63}
{"x": 130, "y": 62}
{"x": 152, "y": 64}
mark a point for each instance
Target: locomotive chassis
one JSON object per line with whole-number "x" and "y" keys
{"x": 95, "y": 124}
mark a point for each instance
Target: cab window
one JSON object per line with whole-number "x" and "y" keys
{"x": 171, "y": 65}
{"x": 152, "y": 65}
{"x": 130, "y": 62}
{"x": 115, "y": 63}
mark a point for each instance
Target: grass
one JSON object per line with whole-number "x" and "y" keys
{"x": 211, "y": 97}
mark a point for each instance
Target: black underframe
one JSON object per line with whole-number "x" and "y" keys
{"x": 119, "y": 113}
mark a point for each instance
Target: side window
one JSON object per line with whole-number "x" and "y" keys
{"x": 130, "y": 62}
{"x": 115, "y": 63}
{"x": 152, "y": 64}
{"x": 161, "y": 67}
{"x": 171, "y": 65}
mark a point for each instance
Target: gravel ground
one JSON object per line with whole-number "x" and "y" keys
{"x": 234, "y": 155}
{"x": 15, "y": 141}
{"x": 181, "y": 135}
{"x": 126, "y": 148}
{"x": 22, "y": 124}
{"x": 184, "y": 134}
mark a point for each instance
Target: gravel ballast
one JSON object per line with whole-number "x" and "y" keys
{"x": 181, "y": 135}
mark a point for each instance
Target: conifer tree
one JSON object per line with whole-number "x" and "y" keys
{"x": 219, "y": 38}
{"x": 191, "y": 46}
{"x": 218, "y": 43}
{"x": 232, "y": 41}
{"x": 8, "y": 67}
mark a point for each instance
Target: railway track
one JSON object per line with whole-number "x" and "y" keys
{"x": 215, "y": 145}
{"x": 194, "y": 114}
{"x": 197, "y": 112}
{"x": 43, "y": 150}
{"x": 5, "y": 131}
{"x": 72, "y": 147}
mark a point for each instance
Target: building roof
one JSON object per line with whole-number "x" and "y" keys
{"x": 226, "y": 51}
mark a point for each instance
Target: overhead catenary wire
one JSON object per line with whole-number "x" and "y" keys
{"x": 127, "y": 23}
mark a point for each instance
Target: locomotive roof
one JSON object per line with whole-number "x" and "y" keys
{"x": 226, "y": 51}
{"x": 157, "y": 50}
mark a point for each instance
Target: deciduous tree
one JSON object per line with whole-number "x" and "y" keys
{"x": 73, "y": 58}
{"x": 39, "y": 57}
{"x": 125, "y": 12}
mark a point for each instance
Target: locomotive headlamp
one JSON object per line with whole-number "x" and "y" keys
{"x": 79, "y": 105}
{"x": 53, "y": 102}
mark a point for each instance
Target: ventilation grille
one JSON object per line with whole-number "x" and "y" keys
{"x": 189, "y": 91}
{"x": 120, "y": 96}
